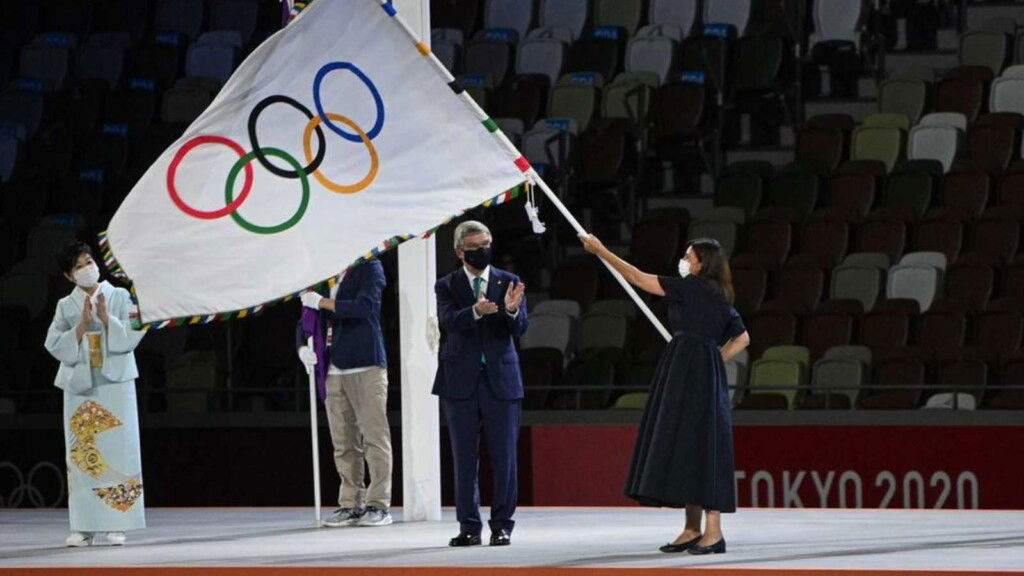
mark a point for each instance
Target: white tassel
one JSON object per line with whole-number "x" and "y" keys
{"x": 532, "y": 212}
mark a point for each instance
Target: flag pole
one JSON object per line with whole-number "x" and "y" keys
{"x": 532, "y": 174}
{"x": 536, "y": 179}
{"x": 315, "y": 439}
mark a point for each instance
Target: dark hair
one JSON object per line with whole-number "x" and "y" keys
{"x": 68, "y": 256}
{"x": 714, "y": 265}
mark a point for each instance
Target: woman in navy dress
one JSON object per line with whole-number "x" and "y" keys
{"x": 683, "y": 456}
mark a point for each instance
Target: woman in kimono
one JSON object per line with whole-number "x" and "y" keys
{"x": 92, "y": 338}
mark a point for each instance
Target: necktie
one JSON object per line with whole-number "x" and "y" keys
{"x": 478, "y": 283}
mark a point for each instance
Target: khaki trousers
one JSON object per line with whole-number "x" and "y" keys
{"x": 357, "y": 416}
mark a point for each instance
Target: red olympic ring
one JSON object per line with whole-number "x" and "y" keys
{"x": 180, "y": 155}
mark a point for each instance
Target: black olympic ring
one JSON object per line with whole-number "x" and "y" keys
{"x": 25, "y": 486}
{"x": 262, "y": 158}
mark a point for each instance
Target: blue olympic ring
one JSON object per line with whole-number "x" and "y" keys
{"x": 324, "y": 70}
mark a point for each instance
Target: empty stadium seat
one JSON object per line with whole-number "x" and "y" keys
{"x": 769, "y": 329}
{"x": 932, "y": 142}
{"x": 887, "y": 237}
{"x": 835, "y": 383}
{"x": 1007, "y": 95}
{"x": 984, "y": 48}
{"x": 241, "y": 16}
{"x": 681, "y": 14}
{"x": 877, "y": 143}
{"x": 906, "y": 97}
{"x": 489, "y": 55}
{"x": 544, "y": 57}
{"x": 961, "y": 95}
{"x": 824, "y": 330}
{"x": 511, "y": 14}
{"x": 917, "y": 281}
{"x": 623, "y": 14}
{"x": 576, "y": 96}
{"x": 861, "y": 283}
{"x": 654, "y": 54}
{"x": 991, "y": 148}
{"x": 828, "y": 240}
{"x": 892, "y": 385}
{"x": 939, "y": 235}
{"x": 966, "y": 192}
{"x": 570, "y": 15}
{"x": 973, "y": 283}
{"x": 210, "y": 61}
{"x": 736, "y": 13}
{"x": 183, "y": 17}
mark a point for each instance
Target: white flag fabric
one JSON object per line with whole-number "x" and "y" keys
{"x": 338, "y": 134}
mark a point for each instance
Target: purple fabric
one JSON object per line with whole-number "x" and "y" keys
{"x": 311, "y": 327}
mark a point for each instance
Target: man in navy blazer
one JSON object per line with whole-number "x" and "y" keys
{"x": 357, "y": 393}
{"x": 481, "y": 310}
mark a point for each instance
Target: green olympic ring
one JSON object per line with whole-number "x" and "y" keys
{"x": 229, "y": 195}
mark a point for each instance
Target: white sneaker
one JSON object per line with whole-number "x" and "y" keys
{"x": 344, "y": 517}
{"x": 116, "y": 538}
{"x": 375, "y": 517}
{"x": 79, "y": 540}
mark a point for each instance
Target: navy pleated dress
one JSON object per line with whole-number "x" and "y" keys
{"x": 683, "y": 453}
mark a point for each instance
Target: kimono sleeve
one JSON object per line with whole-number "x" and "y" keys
{"x": 121, "y": 338}
{"x": 61, "y": 341}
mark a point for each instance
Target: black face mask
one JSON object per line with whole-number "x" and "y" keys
{"x": 479, "y": 258}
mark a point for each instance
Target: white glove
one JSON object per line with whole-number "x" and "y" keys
{"x": 433, "y": 333}
{"x": 311, "y": 299}
{"x": 308, "y": 356}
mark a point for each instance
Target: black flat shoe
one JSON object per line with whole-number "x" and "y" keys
{"x": 674, "y": 548}
{"x": 501, "y": 538}
{"x": 716, "y": 548}
{"x": 464, "y": 539}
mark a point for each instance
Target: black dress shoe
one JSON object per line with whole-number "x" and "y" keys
{"x": 464, "y": 539}
{"x": 716, "y": 548}
{"x": 501, "y": 538}
{"x": 673, "y": 548}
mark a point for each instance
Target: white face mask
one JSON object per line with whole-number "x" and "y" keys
{"x": 684, "y": 267}
{"x": 87, "y": 277}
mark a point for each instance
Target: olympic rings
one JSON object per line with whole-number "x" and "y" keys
{"x": 26, "y": 487}
{"x": 363, "y": 136}
{"x": 173, "y": 168}
{"x": 298, "y": 171}
{"x": 243, "y": 162}
{"x": 369, "y": 84}
{"x": 313, "y": 164}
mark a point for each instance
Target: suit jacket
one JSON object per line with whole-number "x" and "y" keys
{"x": 468, "y": 339}
{"x": 358, "y": 339}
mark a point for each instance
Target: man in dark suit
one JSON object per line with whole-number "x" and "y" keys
{"x": 481, "y": 310}
{"x": 357, "y": 393}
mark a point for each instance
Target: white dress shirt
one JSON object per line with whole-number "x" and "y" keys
{"x": 333, "y": 370}
{"x": 486, "y": 275}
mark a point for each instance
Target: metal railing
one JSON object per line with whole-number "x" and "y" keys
{"x": 295, "y": 399}
{"x": 582, "y": 392}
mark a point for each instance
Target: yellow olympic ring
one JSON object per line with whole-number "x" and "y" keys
{"x": 307, "y": 141}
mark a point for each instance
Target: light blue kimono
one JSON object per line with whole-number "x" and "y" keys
{"x": 101, "y": 420}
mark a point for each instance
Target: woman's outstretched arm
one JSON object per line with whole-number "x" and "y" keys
{"x": 642, "y": 280}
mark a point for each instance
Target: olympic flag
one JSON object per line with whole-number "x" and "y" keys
{"x": 339, "y": 136}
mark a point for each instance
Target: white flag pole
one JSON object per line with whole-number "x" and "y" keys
{"x": 314, "y": 437}
{"x": 534, "y": 177}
